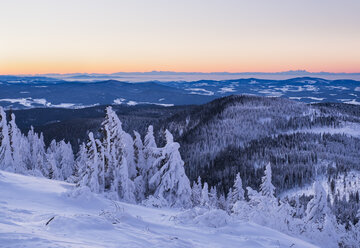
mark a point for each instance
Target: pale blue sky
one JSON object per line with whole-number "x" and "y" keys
{"x": 39, "y": 36}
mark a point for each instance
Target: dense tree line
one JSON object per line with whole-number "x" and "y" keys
{"x": 27, "y": 153}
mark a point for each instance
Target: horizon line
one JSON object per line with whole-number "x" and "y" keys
{"x": 184, "y": 72}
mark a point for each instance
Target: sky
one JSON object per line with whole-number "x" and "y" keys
{"x": 68, "y": 36}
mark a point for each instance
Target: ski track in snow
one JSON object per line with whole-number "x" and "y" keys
{"x": 27, "y": 203}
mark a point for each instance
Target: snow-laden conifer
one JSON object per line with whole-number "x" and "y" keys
{"x": 266, "y": 187}
{"x": 205, "y": 195}
{"x": 151, "y": 153}
{"x": 6, "y": 161}
{"x": 141, "y": 172}
{"x": 171, "y": 182}
{"x": 238, "y": 193}
{"x": 317, "y": 207}
{"x": 91, "y": 174}
{"x": 122, "y": 184}
{"x": 37, "y": 153}
{"x": 18, "y": 147}
{"x": 66, "y": 159}
{"x": 196, "y": 192}
{"x": 213, "y": 199}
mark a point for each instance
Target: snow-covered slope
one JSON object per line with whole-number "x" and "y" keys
{"x": 37, "y": 212}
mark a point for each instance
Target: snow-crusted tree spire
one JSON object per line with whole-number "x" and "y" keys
{"x": 17, "y": 146}
{"x": 205, "y": 195}
{"x": 53, "y": 158}
{"x": 238, "y": 193}
{"x": 139, "y": 154}
{"x": 222, "y": 203}
{"x": 37, "y": 153}
{"x": 66, "y": 159}
{"x": 229, "y": 198}
{"x": 213, "y": 199}
{"x": 128, "y": 143}
{"x": 92, "y": 173}
{"x": 317, "y": 207}
{"x": 139, "y": 181}
{"x": 267, "y": 188}
{"x": 6, "y": 160}
{"x": 169, "y": 137}
{"x": 113, "y": 147}
{"x": 149, "y": 141}
{"x": 196, "y": 192}
{"x": 80, "y": 162}
{"x": 53, "y": 170}
{"x": 171, "y": 182}
{"x": 117, "y": 143}
{"x": 122, "y": 184}
{"x": 151, "y": 153}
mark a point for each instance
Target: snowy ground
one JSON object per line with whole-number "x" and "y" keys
{"x": 28, "y": 203}
{"x": 347, "y": 128}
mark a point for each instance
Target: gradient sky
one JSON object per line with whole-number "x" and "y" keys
{"x": 66, "y": 36}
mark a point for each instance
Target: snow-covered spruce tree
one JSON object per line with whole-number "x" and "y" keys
{"x": 6, "y": 161}
{"x": 52, "y": 161}
{"x": 205, "y": 195}
{"x": 223, "y": 203}
{"x": 53, "y": 158}
{"x": 171, "y": 182}
{"x": 129, "y": 154}
{"x": 236, "y": 197}
{"x": 117, "y": 144}
{"x": 196, "y": 192}
{"x": 267, "y": 188}
{"x": 213, "y": 199}
{"x": 320, "y": 223}
{"x": 18, "y": 147}
{"x": 139, "y": 181}
{"x": 238, "y": 193}
{"x": 151, "y": 153}
{"x": 37, "y": 153}
{"x": 139, "y": 155}
{"x": 229, "y": 199}
{"x": 317, "y": 207}
{"x": 66, "y": 162}
{"x": 93, "y": 173}
{"x": 112, "y": 143}
{"x": 122, "y": 184}
{"x": 263, "y": 205}
{"x": 80, "y": 163}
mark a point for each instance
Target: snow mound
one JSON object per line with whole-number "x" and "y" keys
{"x": 157, "y": 202}
{"x": 211, "y": 218}
{"x": 74, "y": 223}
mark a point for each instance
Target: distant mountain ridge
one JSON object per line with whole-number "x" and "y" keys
{"x": 30, "y": 92}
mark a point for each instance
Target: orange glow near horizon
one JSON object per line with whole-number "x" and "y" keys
{"x": 32, "y": 68}
{"x": 188, "y": 36}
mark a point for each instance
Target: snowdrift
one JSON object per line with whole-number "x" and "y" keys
{"x": 37, "y": 212}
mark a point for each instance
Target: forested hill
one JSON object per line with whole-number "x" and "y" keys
{"x": 224, "y": 129}
{"x": 240, "y": 133}
{"x": 303, "y": 142}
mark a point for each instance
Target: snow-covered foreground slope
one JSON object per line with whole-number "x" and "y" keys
{"x": 37, "y": 212}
